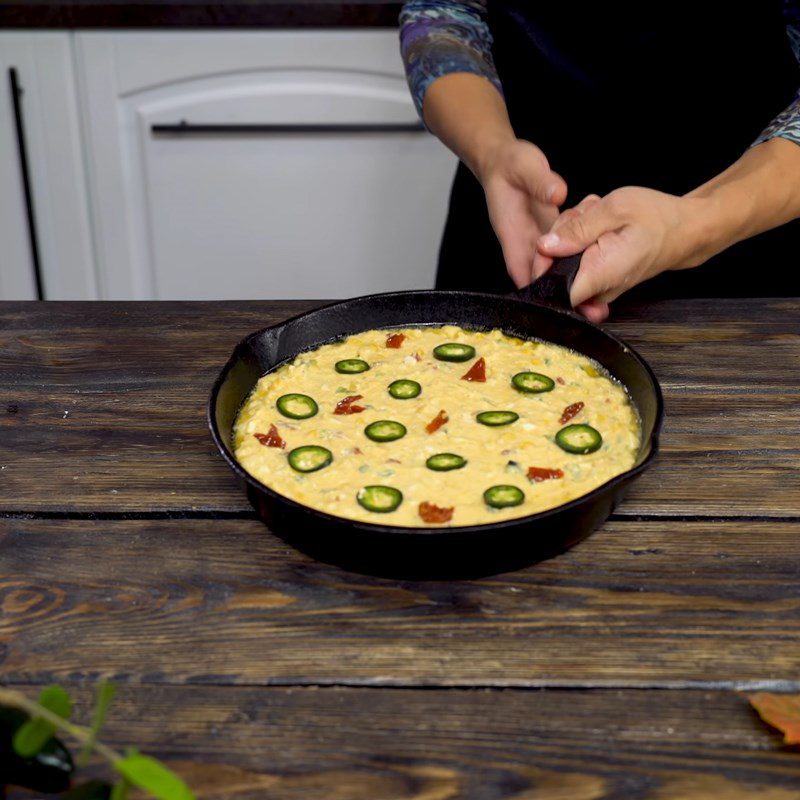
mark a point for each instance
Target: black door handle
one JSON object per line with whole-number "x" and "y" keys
{"x": 19, "y": 124}
{"x": 185, "y": 128}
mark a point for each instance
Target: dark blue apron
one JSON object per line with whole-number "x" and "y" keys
{"x": 622, "y": 94}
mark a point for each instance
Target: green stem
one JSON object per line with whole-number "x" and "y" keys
{"x": 121, "y": 789}
{"x": 105, "y": 693}
{"x": 9, "y": 697}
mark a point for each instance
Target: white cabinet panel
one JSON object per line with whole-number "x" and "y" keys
{"x": 265, "y": 213}
{"x": 44, "y": 65}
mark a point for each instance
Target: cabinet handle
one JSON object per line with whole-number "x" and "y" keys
{"x": 19, "y": 124}
{"x": 185, "y": 128}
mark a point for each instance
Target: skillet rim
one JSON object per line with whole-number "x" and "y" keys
{"x": 403, "y": 530}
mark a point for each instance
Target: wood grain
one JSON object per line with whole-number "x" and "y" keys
{"x": 666, "y": 604}
{"x": 259, "y": 673}
{"x": 359, "y": 744}
{"x": 102, "y": 406}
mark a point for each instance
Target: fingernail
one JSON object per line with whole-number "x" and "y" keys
{"x": 550, "y": 240}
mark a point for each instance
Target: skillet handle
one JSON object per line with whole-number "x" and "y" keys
{"x": 552, "y": 289}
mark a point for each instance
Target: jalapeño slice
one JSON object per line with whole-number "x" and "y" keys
{"x": 309, "y": 458}
{"x": 503, "y": 496}
{"x": 579, "y": 439}
{"x": 496, "y": 418}
{"x": 454, "y": 351}
{"x": 444, "y": 462}
{"x": 297, "y": 406}
{"x": 532, "y": 382}
{"x": 385, "y": 430}
{"x": 404, "y": 389}
{"x": 351, "y": 366}
{"x": 381, "y": 499}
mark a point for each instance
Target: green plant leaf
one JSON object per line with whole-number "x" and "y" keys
{"x": 154, "y": 777}
{"x": 34, "y": 734}
{"x": 105, "y": 694}
{"x": 57, "y": 700}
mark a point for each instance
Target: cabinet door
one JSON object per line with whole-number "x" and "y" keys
{"x": 270, "y": 164}
{"x": 42, "y": 62}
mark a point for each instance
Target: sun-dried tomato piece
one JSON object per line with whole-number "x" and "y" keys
{"x": 440, "y": 419}
{"x": 540, "y": 474}
{"x": 271, "y": 439}
{"x": 345, "y": 405}
{"x": 431, "y": 513}
{"x": 395, "y": 340}
{"x": 570, "y": 412}
{"x": 560, "y": 380}
{"x": 477, "y": 372}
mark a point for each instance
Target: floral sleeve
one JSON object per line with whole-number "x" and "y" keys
{"x": 437, "y": 38}
{"x": 787, "y": 123}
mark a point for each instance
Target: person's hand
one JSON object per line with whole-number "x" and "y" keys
{"x": 523, "y": 195}
{"x": 628, "y": 236}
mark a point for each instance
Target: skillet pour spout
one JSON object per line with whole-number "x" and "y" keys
{"x": 540, "y": 311}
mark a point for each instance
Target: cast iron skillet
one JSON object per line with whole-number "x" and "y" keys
{"x": 540, "y": 311}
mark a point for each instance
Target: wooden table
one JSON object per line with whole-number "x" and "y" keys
{"x": 128, "y": 551}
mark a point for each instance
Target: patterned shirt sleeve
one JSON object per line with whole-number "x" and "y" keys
{"x": 787, "y": 123}
{"x": 437, "y": 38}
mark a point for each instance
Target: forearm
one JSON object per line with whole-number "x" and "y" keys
{"x": 522, "y": 193}
{"x": 469, "y": 115}
{"x": 447, "y": 51}
{"x": 758, "y": 192}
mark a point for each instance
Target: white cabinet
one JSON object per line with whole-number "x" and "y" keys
{"x": 42, "y": 64}
{"x": 300, "y": 170}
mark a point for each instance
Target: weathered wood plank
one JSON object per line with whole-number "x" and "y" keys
{"x": 376, "y": 744}
{"x": 103, "y": 404}
{"x": 107, "y": 416}
{"x": 223, "y": 601}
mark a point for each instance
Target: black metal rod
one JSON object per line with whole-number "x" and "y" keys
{"x": 187, "y": 128}
{"x": 16, "y": 100}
